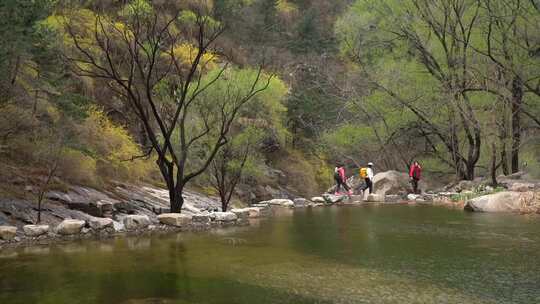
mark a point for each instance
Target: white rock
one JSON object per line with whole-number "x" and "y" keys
{"x": 281, "y": 202}
{"x": 412, "y": 197}
{"x": 332, "y": 199}
{"x": 69, "y": 226}
{"x": 506, "y": 201}
{"x": 118, "y": 226}
{"x": 375, "y": 197}
{"x": 175, "y": 219}
{"x": 254, "y": 212}
{"x": 318, "y": 199}
{"x": 8, "y": 232}
{"x": 132, "y": 222}
{"x": 241, "y": 214}
{"x": 99, "y": 223}
{"x": 35, "y": 230}
{"x": 225, "y": 216}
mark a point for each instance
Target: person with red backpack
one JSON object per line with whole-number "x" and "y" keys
{"x": 341, "y": 179}
{"x": 415, "y": 173}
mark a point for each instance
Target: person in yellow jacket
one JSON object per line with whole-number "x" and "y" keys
{"x": 367, "y": 174}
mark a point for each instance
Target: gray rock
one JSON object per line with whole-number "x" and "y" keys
{"x": 201, "y": 218}
{"x": 332, "y": 199}
{"x": 392, "y": 198}
{"x": 506, "y": 201}
{"x": 70, "y": 226}
{"x": 522, "y": 187}
{"x": 225, "y": 216}
{"x": 8, "y": 232}
{"x": 300, "y": 202}
{"x": 35, "y": 230}
{"x": 99, "y": 223}
{"x": 175, "y": 219}
{"x": 392, "y": 182}
{"x": 134, "y": 222}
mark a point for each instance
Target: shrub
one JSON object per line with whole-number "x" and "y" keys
{"x": 77, "y": 167}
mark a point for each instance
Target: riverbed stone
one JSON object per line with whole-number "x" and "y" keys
{"x": 35, "y": 230}
{"x": 372, "y": 197}
{"x": 280, "y": 202}
{"x": 300, "y": 202}
{"x": 175, "y": 219}
{"x": 332, "y": 199}
{"x": 318, "y": 199}
{"x": 70, "y": 226}
{"x": 506, "y": 201}
{"x": 100, "y": 223}
{"x": 200, "y": 218}
{"x": 134, "y": 222}
{"x": 522, "y": 187}
{"x": 8, "y": 232}
{"x": 225, "y": 216}
{"x": 241, "y": 214}
{"x": 254, "y": 212}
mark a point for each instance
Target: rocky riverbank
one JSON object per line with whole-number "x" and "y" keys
{"x": 81, "y": 212}
{"x": 84, "y": 213}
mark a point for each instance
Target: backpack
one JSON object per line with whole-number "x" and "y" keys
{"x": 363, "y": 172}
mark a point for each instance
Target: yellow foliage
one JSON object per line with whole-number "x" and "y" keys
{"x": 113, "y": 147}
{"x": 185, "y": 54}
{"x": 78, "y": 167}
{"x": 285, "y": 7}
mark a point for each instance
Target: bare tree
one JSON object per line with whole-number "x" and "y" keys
{"x": 139, "y": 63}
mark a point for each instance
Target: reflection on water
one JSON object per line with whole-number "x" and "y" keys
{"x": 390, "y": 254}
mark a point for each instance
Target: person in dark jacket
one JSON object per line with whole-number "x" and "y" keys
{"x": 415, "y": 174}
{"x": 341, "y": 179}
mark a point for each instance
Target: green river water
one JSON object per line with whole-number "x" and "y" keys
{"x": 386, "y": 254}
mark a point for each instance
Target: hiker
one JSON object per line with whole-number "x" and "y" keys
{"x": 341, "y": 179}
{"x": 415, "y": 173}
{"x": 367, "y": 175}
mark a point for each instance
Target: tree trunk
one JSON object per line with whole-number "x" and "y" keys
{"x": 517, "y": 99}
{"x": 493, "y": 169}
{"x": 177, "y": 200}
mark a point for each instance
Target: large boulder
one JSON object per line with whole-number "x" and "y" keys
{"x": 35, "y": 230}
{"x": 8, "y": 232}
{"x": 391, "y": 182}
{"x": 225, "y": 216}
{"x": 175, "y": 219}
{"x": 506, "y": 201}
{"x": 134, "y": 222}
{"x": 522, "y": 187}
{"x": 69, "y": 227}
{"x": 100, "y": 223}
